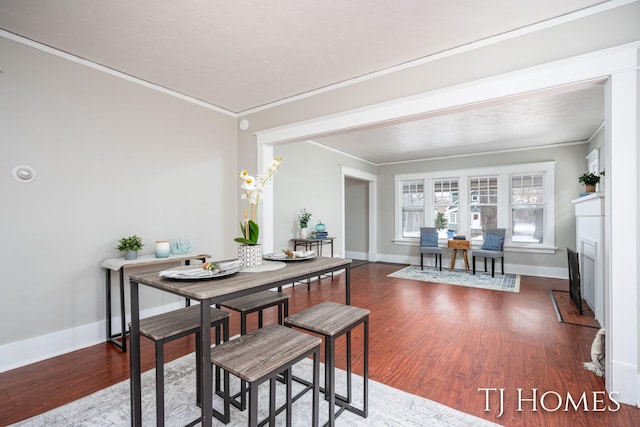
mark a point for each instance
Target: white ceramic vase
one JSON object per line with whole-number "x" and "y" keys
{"x": 303, "y": 233}
{"x": 250, "y": 255}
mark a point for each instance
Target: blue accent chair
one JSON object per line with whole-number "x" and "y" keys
{"x": 429, "y": 245}
{"x": 492, "y": 247}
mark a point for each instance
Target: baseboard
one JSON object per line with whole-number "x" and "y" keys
{"x": 527, "y": 270}
{"x": 36, "y": 349}
{"x": 357, "y": 255}
{"x": 625, "y": 382}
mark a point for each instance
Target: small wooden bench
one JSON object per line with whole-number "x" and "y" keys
{"x": 261, "y": 355}
{"x": 172, "y": 325}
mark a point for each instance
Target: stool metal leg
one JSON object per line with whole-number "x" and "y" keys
{"x": 330, "y": 379}
{"x": 159, "y": 383}
{"x": 349, "y": 367}
{"x": 272, "y": 402}
{"x": 288, "y": 375}
{"x": 315, "y": 413}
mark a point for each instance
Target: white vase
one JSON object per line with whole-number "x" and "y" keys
{"x": 303, "y": 233}
{"x": 250, "y": 255}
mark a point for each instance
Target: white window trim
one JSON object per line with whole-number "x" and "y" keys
{"x": 504, "y": 193}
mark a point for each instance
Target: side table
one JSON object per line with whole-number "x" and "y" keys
{"x": 308, "y": 245}
{"x": 121, "y": 265}
{"x": 464, "y": 246}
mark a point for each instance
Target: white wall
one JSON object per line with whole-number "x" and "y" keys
{"x": 112, "y": 159}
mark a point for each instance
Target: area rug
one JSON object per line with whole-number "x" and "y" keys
{"x": 567, "y": 312}
{"x": 110, "y": 407}
{"x": 506, "y": 283}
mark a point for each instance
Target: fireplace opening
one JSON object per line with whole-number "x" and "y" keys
{"x": 574, "y": 279}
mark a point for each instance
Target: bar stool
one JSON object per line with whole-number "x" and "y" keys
{"x": 170, "y": 326}
{"x": 252, "y": 303}
{"x": 332, "y": 320}
{"x": 261, "y": 355}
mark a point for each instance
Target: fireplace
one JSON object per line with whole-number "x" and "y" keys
{"x": 589, "y": 211}
{"x": 574, "y": 279}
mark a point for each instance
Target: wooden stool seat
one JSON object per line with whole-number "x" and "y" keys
{"x": 256, "y": 302}
{"x": 261, "y": 355}
{"x": 333, "y": 320}
{"x": 172, "y": 325}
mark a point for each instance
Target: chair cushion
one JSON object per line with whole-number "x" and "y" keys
{"x": 492, "y": 242}
{"x": 429, "y": 240}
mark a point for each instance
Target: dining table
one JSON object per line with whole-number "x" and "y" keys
{"x": 209, "y": 292}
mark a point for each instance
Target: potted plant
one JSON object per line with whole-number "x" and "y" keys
{"x": 130, "y": 246}
{"x": 303, "y": 221}
{"x": 590, "y": 180}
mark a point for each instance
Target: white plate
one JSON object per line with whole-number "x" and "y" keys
{"x": 270, "y": 257}
{"x": 175, "y": 273}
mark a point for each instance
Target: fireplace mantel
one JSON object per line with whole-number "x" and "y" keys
{"x": 589, "y": 212}
{"x": 591, "y": 205}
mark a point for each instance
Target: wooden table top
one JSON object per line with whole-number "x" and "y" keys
{"x": 242, "y": 283}
{"x": 459, "y": 244}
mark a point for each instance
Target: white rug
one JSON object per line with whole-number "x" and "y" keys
{"x": 111, "y": 407}
{"x": 482, "y": 280}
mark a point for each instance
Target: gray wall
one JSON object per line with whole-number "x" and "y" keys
{"x": 310, "y": 177}
{"x": 112, "y": 159}
{"x": 356, "y": 228}
{"x": 570, "y": 164}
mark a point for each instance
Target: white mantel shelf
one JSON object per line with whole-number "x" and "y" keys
{"x": 591, "y": 205}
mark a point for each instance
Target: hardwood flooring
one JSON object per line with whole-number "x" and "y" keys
{"x": 445, "y": 343}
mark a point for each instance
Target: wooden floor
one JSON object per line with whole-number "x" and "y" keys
{"x": 443, "y": 342}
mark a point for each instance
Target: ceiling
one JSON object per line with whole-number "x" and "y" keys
{"x": 246, "y": 54}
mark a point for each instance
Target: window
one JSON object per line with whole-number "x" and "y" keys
{"x": 412, "y": 208}
{"x": 519, "y": 198}
{"x": 527, "y": 208}
{"x": 445, "y": 204}
{"x": 483, "y": 206}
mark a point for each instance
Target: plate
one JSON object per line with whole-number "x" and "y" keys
{"x": 271, "y": 257}
{"x": 196, "y": 273}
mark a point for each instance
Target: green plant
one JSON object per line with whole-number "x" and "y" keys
{"x": 590, "y": 178}
{"x": 440, "y": 221}
{"x": 250, "y": 233}
{"x": 303, "y": 218}
{"x": 131, "y": 243}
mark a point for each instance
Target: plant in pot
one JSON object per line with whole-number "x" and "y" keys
{"x": 130, "y": 246}
{"x": 249, "y": 250}
{"x": 303, "y": 221}
{"x": 590, "y": 180}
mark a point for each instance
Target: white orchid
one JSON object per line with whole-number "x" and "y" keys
{"x": 252, "y": 188}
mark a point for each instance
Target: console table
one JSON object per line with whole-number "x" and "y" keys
{"x": 464, "y": 246}
{"x": 121, "y": 265}
{"x": 308, "y": 245}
